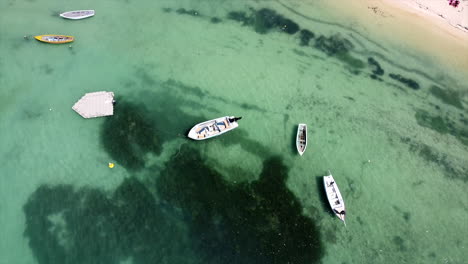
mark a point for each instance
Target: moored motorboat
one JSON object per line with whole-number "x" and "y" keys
{"x": 77, "y": 14}
{"x": 301, "y": 138}
{"x": 334, "y": 197}
{"x": 213, "y": 128}
{"x": 55, "y": 39}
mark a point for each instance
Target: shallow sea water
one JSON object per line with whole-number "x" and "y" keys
{"x": 389, "y": 123}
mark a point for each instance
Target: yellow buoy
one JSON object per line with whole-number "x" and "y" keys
{"x": 111, "y": 165}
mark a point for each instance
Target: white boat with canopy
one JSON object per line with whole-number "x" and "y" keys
{"x": 213, "y": 128}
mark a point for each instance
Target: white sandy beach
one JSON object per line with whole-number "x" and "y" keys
{"x": 455, "y": 16}
{"x": 430, "y": 26}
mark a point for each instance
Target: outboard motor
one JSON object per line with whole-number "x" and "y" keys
{"x": 235, "y": 119}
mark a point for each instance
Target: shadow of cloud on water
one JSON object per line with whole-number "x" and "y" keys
{"x": 67, "y": 225}
{"x": 256, "y": 222}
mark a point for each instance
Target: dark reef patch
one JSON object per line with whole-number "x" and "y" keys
{"x": 339, "y": 47}
{"x": 87, "y": 225}
{"x": 406, "y": 81}
{"x": 406, "y": 215}
{"x": 191, "y": 12}
{"x": 447, "y": 96}
{"x": 399, "y": 242}
{"x": 305, "y": 36}
{"x": 442, "y": 160}
{"x": 333, "y": 45}
{"x": 240, "y": 16}
{"x": 376, "y": 68}
{"x": 215, "y": 20}
{"x": 264, "y": 20}
{"x": 375, "y": 77}
{"x": 257, "y": 222}
{"x": 129, "y": 135}
{"x": 355, "y": 64}
{"x": 434, "y": 122}
{"x": 267, "y": 19}
{"x": 443, "y": 125}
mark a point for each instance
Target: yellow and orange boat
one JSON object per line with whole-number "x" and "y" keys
{"x": 55, "y": 39}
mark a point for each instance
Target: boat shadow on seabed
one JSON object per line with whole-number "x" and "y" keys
{"x": 323, "y": 196}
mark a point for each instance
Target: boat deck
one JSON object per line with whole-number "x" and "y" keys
{"x": 95, "y": 104}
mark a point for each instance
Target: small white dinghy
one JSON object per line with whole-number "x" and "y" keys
{"x": 78, "y": 14}
{"x": 334, "y": 197}
{"x": 213, "y": 128}
{"x": 301, "y": 138}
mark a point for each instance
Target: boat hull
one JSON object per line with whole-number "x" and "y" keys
{"x": 212, "y": 128}
{"x": 301, "y": 138}
{"x": 55, "y": 39}
{"x": 334, "y": 197}
{"x": 77, "y": 14}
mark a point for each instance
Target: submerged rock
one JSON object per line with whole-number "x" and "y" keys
{"x": 408, "y": 82}
{"x": 215, "y": 20}
{"x": 333, "y": 45}
{"x": 267, "y": 19}
{"x": 190, "y": 12}
{"x": 447, "y": 96}
{"x": 240, "y": 16}
{"x": 377, "y": 70}
{"x": 443, "y": 125}
{"x": 305, "y": 37}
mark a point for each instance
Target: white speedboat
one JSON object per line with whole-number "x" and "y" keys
{"x": 213, "y": 128}
{"x": 78, "y": 14}
{"x": 334, "y": 197}
{"x": 301, "y": 138}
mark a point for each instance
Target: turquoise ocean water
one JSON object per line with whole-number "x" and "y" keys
{"x": 390, "y": 123}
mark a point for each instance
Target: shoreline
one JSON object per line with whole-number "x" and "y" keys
{"x": 405, "y": 24}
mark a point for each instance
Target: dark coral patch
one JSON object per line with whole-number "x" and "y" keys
{"x": 258, "y": 222}
{"x": 434, "y": 122}
{"x": 443, "y": 125}
{"x": 240, "y": 16}
{"x": 400, "y": 243}
{"x": 129, "y": 135}
{"x": 191, "y": 12}
{"x": 376, "y": 68}
{"x": 431, "y": 155}
{"x": 339, "y": 47}
{"x": 333, "y": 45}
{"x": 267, "y": 19}
{"x": 406, "y": 81}
{"x": 65, "y": 225}
{"x": 447, "y": 96}
{"x": 355, "y": 64}
{"x": 305, "y": 36}
{"x": 375, "y": 77}
{"x": 215, "y": 20}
